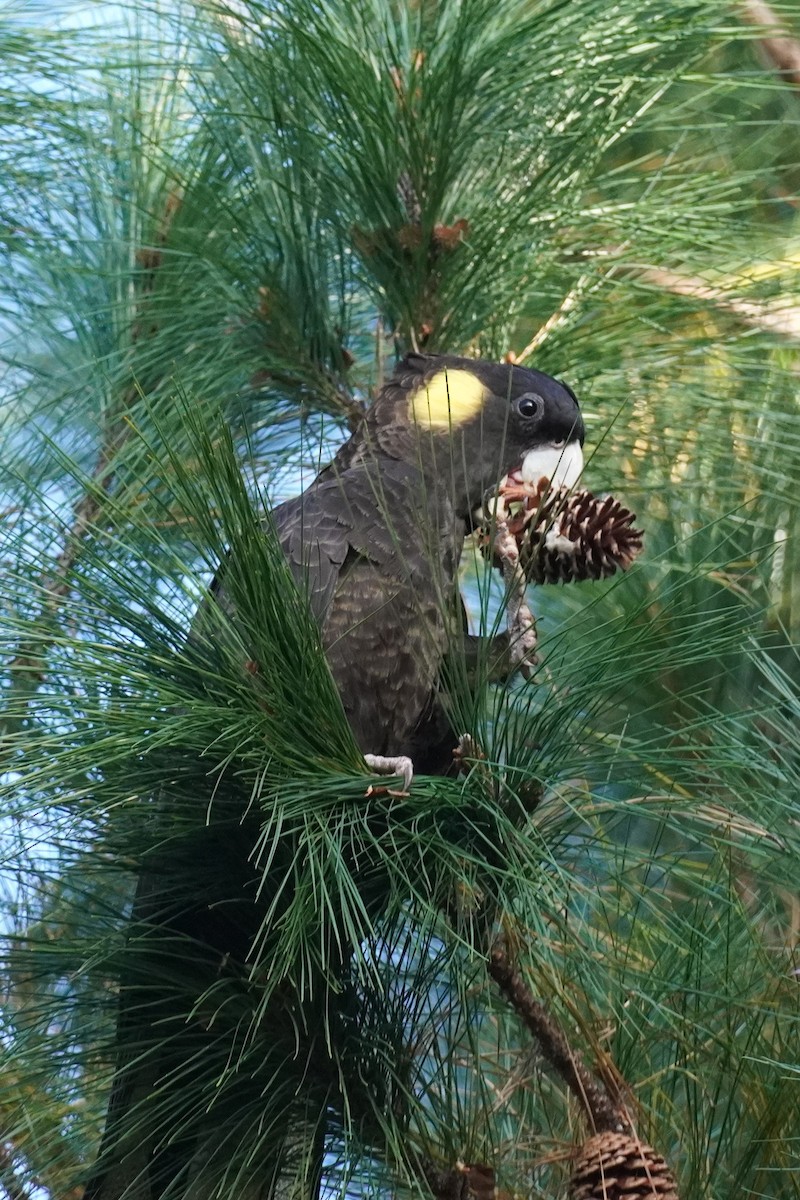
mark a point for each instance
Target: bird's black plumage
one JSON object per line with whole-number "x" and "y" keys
{"x": 374, "y": 543}
{"x": 377, "y": 537}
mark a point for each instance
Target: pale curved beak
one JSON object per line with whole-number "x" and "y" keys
{"x": 562, "y": 465}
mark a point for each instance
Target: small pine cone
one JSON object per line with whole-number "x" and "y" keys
{"x": 567, "y": 537}
{"x": 617, "y": 1166}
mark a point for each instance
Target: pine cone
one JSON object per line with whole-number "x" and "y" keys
{"x": 564, "y": 536}
{"x": 617, "y": 1166}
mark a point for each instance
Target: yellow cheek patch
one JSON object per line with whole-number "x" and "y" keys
{"x": 448, "y": 400}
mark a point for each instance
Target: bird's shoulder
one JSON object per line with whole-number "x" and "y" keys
{"x": 362, "y": 508}
{"x": 368, "y": 514}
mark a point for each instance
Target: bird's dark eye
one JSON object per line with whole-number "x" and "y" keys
{"x": 529, "y": 405}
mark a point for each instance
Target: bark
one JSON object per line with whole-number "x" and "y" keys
{"x": 781, "y": 51}
{"x": 602, "y": 1113}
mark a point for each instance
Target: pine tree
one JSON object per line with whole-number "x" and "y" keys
{"x": 221, "y": 225}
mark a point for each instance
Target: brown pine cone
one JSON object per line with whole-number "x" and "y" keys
{"x": 564, "y": 536}
{"x": 617, "y": 1166}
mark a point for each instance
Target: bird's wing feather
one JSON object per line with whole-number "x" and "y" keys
{"x": 315, "y": 542}
{"x": 340, "y": 518}
{"x": 360, "y": 545}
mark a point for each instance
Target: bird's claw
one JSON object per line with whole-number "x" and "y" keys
{"x": 467, "y": 748}
{"x": 400, "y": 765}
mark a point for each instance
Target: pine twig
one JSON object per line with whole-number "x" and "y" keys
{"x": 26, "y": 667}
{"x": 782, "y": 51}
{"x": 781, "y": 319}
{"x": 556, "y": 319}
{"x": 601, "y": 1112}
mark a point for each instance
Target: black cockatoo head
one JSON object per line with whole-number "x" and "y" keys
{"x": 474, "y": 422}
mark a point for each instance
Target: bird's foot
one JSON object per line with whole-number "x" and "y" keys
{"x": 522, "y": 636}
{"x": 400, "y": 765}
{"x": 466, "y": 749}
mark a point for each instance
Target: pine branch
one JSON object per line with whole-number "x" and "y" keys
{"x": 782, "y": 319}
{"x": 600, "y": 1110}
{"x": 782, "y": 51}
{"x": 558, "y": 318}
{"x": 613, "y": 1163}
{"x": 510, "y": 191}
{"x": 27, "y": 665}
